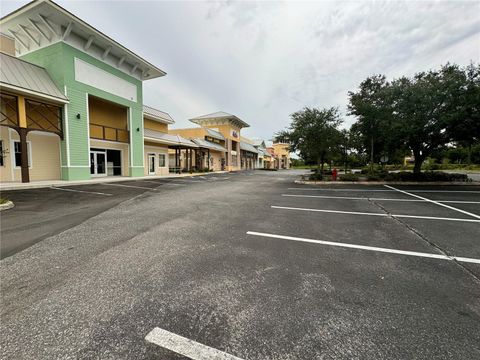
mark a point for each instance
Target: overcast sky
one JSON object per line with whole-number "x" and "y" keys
{"x": 263, "y": 61}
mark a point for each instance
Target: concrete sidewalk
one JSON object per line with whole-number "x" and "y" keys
{"x": 108, "y": 179}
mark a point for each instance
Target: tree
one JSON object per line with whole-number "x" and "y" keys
{"x": 313, "y": 133}
{"x": 371, "y": 105}
{"x": 423, "y": 114}
{"x": 424, "y": 109}
{"x": 466, "y": 130}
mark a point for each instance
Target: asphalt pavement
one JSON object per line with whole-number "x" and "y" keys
{"x": 251, "y": 265}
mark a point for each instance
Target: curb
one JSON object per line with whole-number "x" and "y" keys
{"x": 457, "y": 183}
{"x": 6, "y": 206}
{"x": 61, "y": 183}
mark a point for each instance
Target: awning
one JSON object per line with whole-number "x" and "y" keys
{"x": 214, "y": 134}
{"x": 157, "y": 115}
{"x": 209, "y": 145}
{"x": 247, "y": 147}
{"x": 167, "y": 139}
{"x": 22, "y": 77}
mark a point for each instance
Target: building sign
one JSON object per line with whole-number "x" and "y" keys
{"x": 234, "y": 134}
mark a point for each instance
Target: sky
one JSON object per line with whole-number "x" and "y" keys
{"x": 262, "y": 61}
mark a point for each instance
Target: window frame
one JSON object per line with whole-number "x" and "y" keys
{"x": 160, "y": 157}
{"x": 29, "y": 154}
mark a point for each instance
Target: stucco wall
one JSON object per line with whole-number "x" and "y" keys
{"x": 155, "y": 125}
{"x": 156, "y": 150}
{"x": 44, "y": 156}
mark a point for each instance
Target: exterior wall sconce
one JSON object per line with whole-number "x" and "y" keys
{"x": 138, "y": 129}
{"x": 78, "y": 116}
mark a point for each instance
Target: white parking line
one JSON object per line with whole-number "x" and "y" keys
{"x": 131, "y": 186}
{"x": 378, "y": 199}
{"x": 189, "y": 181}
{"x": 435, "y": 202}
{"x": 152, "y": 182}
{"x": 374, "y": 214}
{"x": 384, "y": 190}
{"x": 186, "y": 347}
{"x": 369, "y": 248}
{"x": 80, "y": 191}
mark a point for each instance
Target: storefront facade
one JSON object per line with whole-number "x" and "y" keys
{"x": 230, "y": 127}
{"x": 282, "y": 152}
{"x": 102, "y": 121}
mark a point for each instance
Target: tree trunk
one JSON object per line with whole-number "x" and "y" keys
{"x": 322, "y": 160}
{"x": 371, "y": 154}
{"x": 469, "y": 154}
{"x": 417, "y": 168}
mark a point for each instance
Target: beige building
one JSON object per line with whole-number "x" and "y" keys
{"x": 30, "y": 120}
{"x": 282, "y": 155}
{"x": 223, "y": 130}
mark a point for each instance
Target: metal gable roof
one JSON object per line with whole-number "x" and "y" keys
{"x": 247, "y": 147}
{"x": 21, "y": 76}
{"x": 209, "y": 145}
{"x": 157, "y": 115}
{"x": 41, "y": 23}
{"x": 219, "y": 115}
{"x": 167, "y": 139}
{"x": 214, "y": 134}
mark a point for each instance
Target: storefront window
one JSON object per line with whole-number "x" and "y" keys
{"x": 17, "y": 150}
{"x": 161, "y": 160}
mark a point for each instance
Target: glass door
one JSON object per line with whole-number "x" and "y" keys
{"x": 98, "y": 163}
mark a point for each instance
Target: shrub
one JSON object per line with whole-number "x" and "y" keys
{"x": 316, "y": 177}
{"x": 427, "y": 176}
{"x": 349, "y": 177}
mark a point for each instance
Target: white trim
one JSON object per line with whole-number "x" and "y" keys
{"x": 77, "y": 166}
{"x": 363, "y": 247}
{"x": 12, "y": 173}
{"x": 88, "y": 126}
{"x": 95, "y": 152}
{"x": 29, "y": 154}
{"x": 66, "y": 121}
{"x": 154, "y": 157}
{"x": 143, "y": 141}
{"x": 435, "y": 202}
{"x": 130, "y": 132}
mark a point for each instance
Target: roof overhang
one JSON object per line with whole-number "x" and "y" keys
{"x": 157, "y": 115}
{"x": 31, "y": 94}
{"x": 221, "y": 120}
{"x": 41, "y": 23}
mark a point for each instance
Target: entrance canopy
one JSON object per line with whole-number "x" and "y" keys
{"x": 209, "y": 145}
{"x": 247, "y": 147}
{"x": 24, "y": 78}
{"x": 168, "y": 139}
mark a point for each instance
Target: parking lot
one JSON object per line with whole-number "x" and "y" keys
{"x": 43, "y": 212}
{"x": 250, "y": 266}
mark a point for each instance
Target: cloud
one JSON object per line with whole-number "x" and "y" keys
{"x": 265, "y": 60}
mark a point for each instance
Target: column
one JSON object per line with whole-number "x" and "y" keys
{"x": 22, "y": 132}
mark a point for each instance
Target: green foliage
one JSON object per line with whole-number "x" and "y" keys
{"x": 314, "y": 134}
{"x": 421, "y": 114}
{"x": 427, "y": 176}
